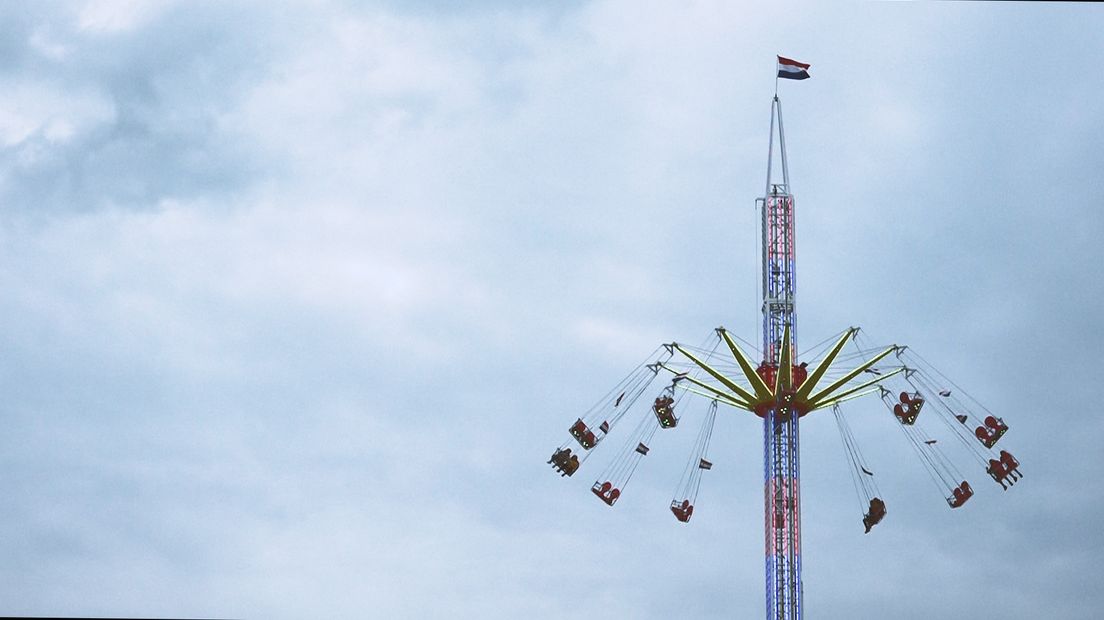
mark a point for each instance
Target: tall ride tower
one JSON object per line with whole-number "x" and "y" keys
{"x": 781, "y": 461}
{"x": 780, "y": 390}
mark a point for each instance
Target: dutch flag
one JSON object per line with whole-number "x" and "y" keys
{"x": 792, "y": 70}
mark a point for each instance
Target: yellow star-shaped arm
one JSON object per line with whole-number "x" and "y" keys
{"x": 758, "y": 395}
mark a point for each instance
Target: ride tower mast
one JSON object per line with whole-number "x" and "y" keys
{"x": 781, "y": 460}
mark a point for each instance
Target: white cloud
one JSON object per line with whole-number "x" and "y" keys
{"x": 116, "y": 16}
{"x": 50, "y": 110}
{"x": 49, "y": 45}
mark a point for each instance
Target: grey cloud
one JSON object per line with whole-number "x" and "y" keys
{"x": 396, "y": 251}
{"x": 167, "y": 87}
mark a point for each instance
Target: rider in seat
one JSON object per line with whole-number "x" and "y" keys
{"x": 1007, "y": 467}
{"x": 564, "y": 461}
{"x": 664, "y": 411}
{"x": 875, "y": 515}
{"x": 1010, "y": 462}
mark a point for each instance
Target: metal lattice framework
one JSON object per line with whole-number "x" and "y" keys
{"x": 781, "y": 455}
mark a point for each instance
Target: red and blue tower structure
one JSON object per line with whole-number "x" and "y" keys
{"x": 781, "y": 457}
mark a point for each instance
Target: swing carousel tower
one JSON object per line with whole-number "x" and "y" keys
{"x": 780, "y": 390}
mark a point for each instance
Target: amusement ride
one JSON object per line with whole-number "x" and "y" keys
{"x": 780, "y": 390}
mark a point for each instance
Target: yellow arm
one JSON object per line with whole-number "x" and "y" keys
{"x": 816, "y": 375}
{"x": 762, "y": 391}
{"x": 849, "y": 376}
{"x": 853, "y": 392}
{"x": 713, "y": 392}
{"x": 728, "y": 383}
{"x": 785, "y": 364}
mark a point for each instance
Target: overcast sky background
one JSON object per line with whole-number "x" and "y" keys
{"x": 297, "y": 301}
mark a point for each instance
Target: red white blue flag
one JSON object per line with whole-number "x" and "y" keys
{"x": 792, "y": 70}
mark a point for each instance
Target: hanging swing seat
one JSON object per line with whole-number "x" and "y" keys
{"x": 582, "y": 433}
{"x": 875, "y": 514}
{"x": 961, "y": 493}
{"x": 683, "y": 510}
{"x": 990, "y": 434}
{"x": 664, "y": 409}
{"x": 606, "y": 492}
{"x": 1004, "y": 470}
{"x": 909, "y": 407}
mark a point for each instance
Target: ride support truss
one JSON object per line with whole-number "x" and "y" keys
{"x": 781, "y": 457}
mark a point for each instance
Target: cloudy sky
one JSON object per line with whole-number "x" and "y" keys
{"x": 296, "y": 301}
